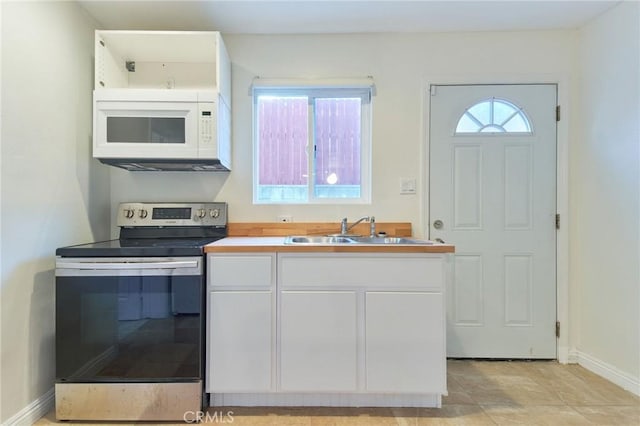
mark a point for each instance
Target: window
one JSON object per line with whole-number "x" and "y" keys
{"x": 493, "y": 116}
{"x": 312, "y": 145}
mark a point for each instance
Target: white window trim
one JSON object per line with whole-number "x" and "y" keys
{"x": 364, "y": 91}
{"x": 322, "y": 83}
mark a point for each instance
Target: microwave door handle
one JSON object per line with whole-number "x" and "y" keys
{"x": 123, "y": 266}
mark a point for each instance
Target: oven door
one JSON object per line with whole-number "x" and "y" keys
{"x": 129, "y": 319}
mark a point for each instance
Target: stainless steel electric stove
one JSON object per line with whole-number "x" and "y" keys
{"x": 130, "y": 315}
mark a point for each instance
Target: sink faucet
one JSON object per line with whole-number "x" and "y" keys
{"x": 344, "y": 227}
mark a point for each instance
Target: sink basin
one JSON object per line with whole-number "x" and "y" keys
{"x": 336, "y": 239}
{"x": 390, "y": 240}
{"x": 319, "y": 240}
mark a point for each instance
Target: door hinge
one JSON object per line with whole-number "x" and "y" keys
{"x": 557, "y": 221}
{"x": 557, "y": 328}
{"x": 557, "y": 112}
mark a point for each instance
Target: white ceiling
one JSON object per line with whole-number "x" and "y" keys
{"x": 343, "y": 16}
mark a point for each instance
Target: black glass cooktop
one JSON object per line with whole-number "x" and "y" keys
{"x": 142, "y": 247}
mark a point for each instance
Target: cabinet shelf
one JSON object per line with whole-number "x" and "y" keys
{"x": 162, "y": 60}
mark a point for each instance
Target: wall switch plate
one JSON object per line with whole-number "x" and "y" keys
{"x": 285, "y": 219}
{"x": 407, "y": 186}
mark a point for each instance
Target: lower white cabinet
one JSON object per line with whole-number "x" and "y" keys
{"x": 327, "y": 329}
{"x": 318, "y": 341}
{"x": 239, "y": 341}
{"x": 240, "y": 323}
{"x": 404, "y": 346}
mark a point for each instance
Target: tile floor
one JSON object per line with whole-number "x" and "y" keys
{"x": 480, "y": 393}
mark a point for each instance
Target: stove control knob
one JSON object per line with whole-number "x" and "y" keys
{"x": 202, "y": 213}
{"x": 143, "y": 214}
{"x": 215, "y": 213}
{"x": 129, "y": 213}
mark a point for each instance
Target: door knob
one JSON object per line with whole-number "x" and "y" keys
{"x": 438, "y": 224}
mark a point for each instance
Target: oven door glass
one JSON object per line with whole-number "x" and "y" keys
{"x": 138, "y": 321}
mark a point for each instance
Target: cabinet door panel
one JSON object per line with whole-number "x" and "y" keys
{"x": 405, "y": 342}
{"x": 318, "y": 341}
{"x": 240, "y": 341}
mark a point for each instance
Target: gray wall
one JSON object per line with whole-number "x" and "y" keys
{"x": 52, "y": 192}
{"x": 605, "y": 202}
{"x": 401, "y": 65}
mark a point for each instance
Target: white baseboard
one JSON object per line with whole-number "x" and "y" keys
{"x": 572, "y": 357}
{"x": 34, "y": 411}
{"x": 564, "y": 355}
{"x": 608, "y": 371}
{"x": 277, "y": 399}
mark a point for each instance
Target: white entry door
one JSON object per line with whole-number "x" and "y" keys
{"x": 492, "y": 193}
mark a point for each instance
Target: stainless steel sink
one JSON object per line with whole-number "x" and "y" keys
{"x": 390, "y": 240}
{"x": 319, "y": 240}
{"x": 337, "y": 239}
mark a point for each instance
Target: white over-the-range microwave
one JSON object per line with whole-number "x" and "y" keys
{"x": 162, "y": 130}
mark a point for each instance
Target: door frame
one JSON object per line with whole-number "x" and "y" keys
{"x": 562, "y": 178}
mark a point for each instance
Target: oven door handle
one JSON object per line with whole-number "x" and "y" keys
{"x": 120, "y": 266}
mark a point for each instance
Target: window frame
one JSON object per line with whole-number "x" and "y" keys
{"x": 311, "y": 93}
{"x": 519, "y": 111}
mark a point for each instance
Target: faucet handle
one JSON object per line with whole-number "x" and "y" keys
{"x": 372, "y": 226}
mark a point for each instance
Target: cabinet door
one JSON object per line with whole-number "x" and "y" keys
{"x": 239, "y": 341}
{"x": 405, "y": 342}
{"x": 318, "y": 341}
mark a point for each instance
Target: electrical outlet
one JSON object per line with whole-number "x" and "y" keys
{"x": 285, "y": 219}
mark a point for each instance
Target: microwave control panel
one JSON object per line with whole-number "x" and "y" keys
{"x": 206, "y": 125}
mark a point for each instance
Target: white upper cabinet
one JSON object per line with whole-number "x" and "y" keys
{"x": 162, "y": 60}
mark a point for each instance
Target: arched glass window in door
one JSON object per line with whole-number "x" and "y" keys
{"x": 493, "y": 116}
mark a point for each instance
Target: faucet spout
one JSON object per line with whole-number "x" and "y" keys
{"x": 345, "y": 228}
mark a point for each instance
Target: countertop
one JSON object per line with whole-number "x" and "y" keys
{"x": 276, "y": 244}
